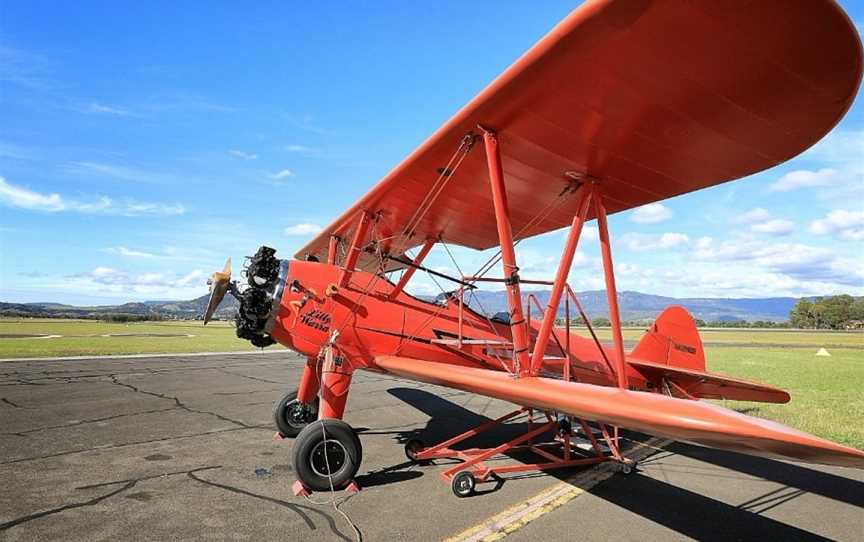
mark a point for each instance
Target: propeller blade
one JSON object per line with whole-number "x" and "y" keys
{"x": 218, "y": 288}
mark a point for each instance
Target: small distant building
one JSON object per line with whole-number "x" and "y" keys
{"x": 855, "y": 324}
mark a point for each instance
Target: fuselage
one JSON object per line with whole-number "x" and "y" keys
{"x": 368, "y": 318}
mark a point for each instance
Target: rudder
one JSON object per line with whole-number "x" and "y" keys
{"x": 672, "y": 340}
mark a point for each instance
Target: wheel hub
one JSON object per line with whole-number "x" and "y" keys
{"x": 298, "y": 414}
{"x": 330, "y": 453}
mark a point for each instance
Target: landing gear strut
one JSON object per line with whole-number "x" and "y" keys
{"x": 327, "y": 454}
{"x": 291, "y": 416}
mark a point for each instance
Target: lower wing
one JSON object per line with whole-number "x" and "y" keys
{"x": 660, "y": 415}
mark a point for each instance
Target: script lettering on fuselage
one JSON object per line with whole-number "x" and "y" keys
{"x": 316, "y": 319}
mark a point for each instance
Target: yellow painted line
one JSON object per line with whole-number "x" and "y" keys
{"x": 517, "y": 516}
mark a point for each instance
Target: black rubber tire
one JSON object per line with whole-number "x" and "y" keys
{"x": 628, "y": 468}
{"x": 413, "y": 446}
{"x": 463, "y": 484}
{"x": 287, "y": 426}
{"x": 343, "y": 455}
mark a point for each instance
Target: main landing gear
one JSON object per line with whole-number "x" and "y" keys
{"x": 291, "y": 416}
{"x": 327, "y": 454}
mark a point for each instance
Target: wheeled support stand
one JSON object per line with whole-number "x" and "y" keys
{"x": 464, "y": 476}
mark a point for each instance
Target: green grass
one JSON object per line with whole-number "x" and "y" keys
{"x": 88, "y": 337}
{"x": 827, "y": 395}
{"x": 755, "y": 337}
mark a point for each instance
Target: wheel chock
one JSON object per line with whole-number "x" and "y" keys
{"x": 299, "y": 489}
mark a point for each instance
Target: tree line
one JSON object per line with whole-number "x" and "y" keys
{"x": 832, "y": 312}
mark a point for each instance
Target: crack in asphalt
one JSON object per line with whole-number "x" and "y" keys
{"x": 42, "y": 514}
{"x": 221, "y": 370}
{"x": 8, "y": 402}
{"x": 127, "y": 484}
{"x": 83, "y": 422}
{"x": 297, "y": 508}
{"x": 177, "y": 402}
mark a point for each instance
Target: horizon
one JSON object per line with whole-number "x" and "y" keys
{"x": 138, "y": 153}
{"x": 620, "y": 293}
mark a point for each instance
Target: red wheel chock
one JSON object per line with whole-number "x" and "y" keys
{"x": 300, "y": 490}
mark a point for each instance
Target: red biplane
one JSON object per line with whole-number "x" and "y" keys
{"x": 620, "y": 105}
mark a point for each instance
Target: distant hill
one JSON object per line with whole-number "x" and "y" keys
{"x": 639, "y": 306}
{"x": 634, "y": 306}
{"x": 185, "y": 310}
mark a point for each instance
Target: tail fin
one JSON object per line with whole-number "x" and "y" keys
{"x": 671, "y": 356}
{"x": 672, "y": 340}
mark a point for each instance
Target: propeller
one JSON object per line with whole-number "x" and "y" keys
{"x": 219, "y": 283}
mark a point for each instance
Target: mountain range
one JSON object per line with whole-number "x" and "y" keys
{"x": 634, "y": 306}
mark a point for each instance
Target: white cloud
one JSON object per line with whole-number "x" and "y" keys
{"x": 302, "y": 229}
{"x": 106, "y": 281}
{"x": 128, "y": 252}
{"x": 795, "y": 260}
{"x": 762, "y": 221}
{"x": 776, "y": 226}
{"x": 133, "y": 208}
{"x": 846, "y": 225}
{"x": 642, "y": 241}
{"x": 301, "y": 149}
{"x": 803, "y": 178}
{"x": 283, "y": 174}
{"x": 243, "y": 155}
{"x": 757, "y": 214}
{"x": 651, "y": 214}
{"x": 124, "y": 173}
{"x": 24, "y": 198}
{"x": 97, "y": 108}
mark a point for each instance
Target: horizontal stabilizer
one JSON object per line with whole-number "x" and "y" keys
{"x": 653, "y": 413}
{"x": 709, "y": 386}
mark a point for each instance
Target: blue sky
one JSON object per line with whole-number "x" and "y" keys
{"x": 141, "y": 144}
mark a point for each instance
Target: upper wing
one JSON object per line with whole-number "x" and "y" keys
{"x": 679, "y": 419}
{"x": 654, "y": 99}
{"x": 711, "y": 386}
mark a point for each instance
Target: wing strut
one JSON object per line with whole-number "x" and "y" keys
{"x": 611, "y": 292}
{"x": 518, "y": 325}
{"x": 561, "y": 280}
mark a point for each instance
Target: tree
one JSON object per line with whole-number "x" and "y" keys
{"x": 802, "y": 314}
{"x": 600, "y": 322}
{"x": 833, "y": 312}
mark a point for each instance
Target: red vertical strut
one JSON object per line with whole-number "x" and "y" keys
{"x": 354, "y": 249}
{"x": 508, "y": 255}
{"x": 611, "y": 292}
{"x": 309, "y": 381}
{"x": 560, "y": 280}
{"x": 331, "y": 249}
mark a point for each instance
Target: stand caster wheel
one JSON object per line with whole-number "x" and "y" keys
{"x": 463, "y": 484}
{"x": 412, "y": 447}
{"x": 628, "y": 467}
{"x": 327, "y": 453}
{"x": 291, "y": 416}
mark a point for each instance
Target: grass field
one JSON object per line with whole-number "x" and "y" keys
{"x": 91, "y": 337}
{"x": 827, "y": 394}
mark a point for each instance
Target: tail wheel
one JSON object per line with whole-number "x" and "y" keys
{"x": 327, "y": 453}
{"x": 291, "y": 416}
{"x": 463, "y": 484}
{"x": 413, "y": 447}
{"x": 628, "y": 466}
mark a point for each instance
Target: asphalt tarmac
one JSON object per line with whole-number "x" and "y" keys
{"x": 181, "y": 447}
